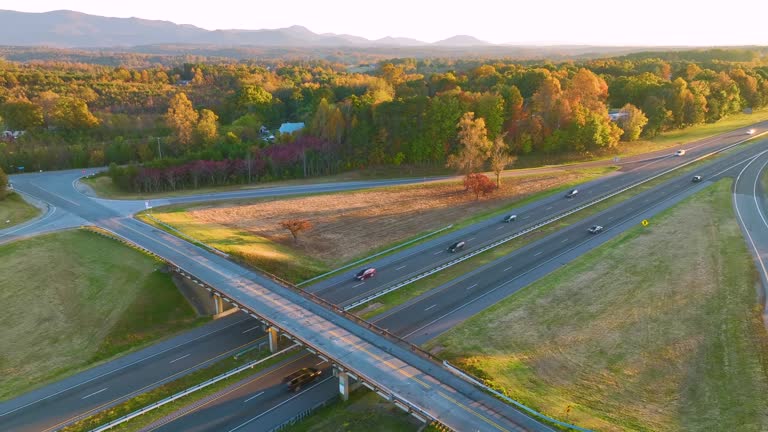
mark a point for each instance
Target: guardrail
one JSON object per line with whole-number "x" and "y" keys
{"x": 534, "y": 227}
{"x": 188, "y": 391}
{"x": 374, "y": 255}
{"x": 478, "y": 382}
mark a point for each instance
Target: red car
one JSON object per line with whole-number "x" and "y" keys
{"x": 365, "y": 274}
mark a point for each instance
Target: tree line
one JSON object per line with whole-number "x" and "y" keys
{"x": 164, "y": 124}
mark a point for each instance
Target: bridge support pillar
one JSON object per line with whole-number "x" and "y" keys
{"x": 343, "y": 385}
{"x": 274, "y": 337}
{"x": 219, "y": 303}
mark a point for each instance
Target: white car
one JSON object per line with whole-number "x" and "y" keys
{"x": 680, "y": 152}
{"x": 751, "y": 132}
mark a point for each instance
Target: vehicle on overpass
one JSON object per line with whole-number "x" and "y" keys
{"x": 595, "y": 229}
{"x": 680, "y": 152}
{"x": 459, "y": 245}
{"x": 572, "y": 193}
{"x": 509, "y": 218}
{"x": 365, "y": 274}
{"x": 751, "y": 132}
{"x": 302, "y": 376}
{"x": 696, "y": 178}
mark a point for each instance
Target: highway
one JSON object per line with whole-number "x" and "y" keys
{"x": 432, "y": 313}
{"x": 64, "y": 199}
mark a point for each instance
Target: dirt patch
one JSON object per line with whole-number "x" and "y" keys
{"x": 347, "y": 225}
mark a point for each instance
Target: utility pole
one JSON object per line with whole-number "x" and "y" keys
{"x": 159, "y": 152}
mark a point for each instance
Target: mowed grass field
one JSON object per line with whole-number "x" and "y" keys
{"x": 74, "y": 298}
{"x": 659, "y": 329}
{"x": 348, "y": 225}
{"x": 14, "y": 210}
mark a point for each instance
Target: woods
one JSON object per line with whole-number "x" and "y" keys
{"x": 198, "y": 124}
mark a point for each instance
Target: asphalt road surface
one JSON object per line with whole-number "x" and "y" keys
{"x": 633, "y": 170}
{"x": 436, "y": 311}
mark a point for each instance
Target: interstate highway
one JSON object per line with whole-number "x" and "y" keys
{"x": 428, "y": 315}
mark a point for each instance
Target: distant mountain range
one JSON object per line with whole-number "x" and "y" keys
{"x": 69, "y": 29}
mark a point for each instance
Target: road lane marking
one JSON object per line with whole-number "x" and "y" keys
{"x": 437, "y": 253}
{"x": 499, "y": 228}
{"x": 526, "y": 217}
{"x": 548, "y": 208}
{"x": 182, "y": 357}
{"x": 324, "y": 361}
{"x": 610, "y": 218}
{"x": 564, "y": 240}
{"x": 252, "y": 328}
{"x": 507, "y": 268}
{"x": 400, "y": 268}
{"x": 434, "y": 305}
{"x": 537, "y": 253}
{"x": 94, "y": 393}
{"x": 253, "y": 397}
{"x": 471, "y": 239}
{"x": 472, "y": 286}
{"x": 355, "y": 286}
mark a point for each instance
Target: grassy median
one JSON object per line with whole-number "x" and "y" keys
{"x": 75, "y": 298}
{"x": 14, "y": 210}
{"x": 658, "y": 329}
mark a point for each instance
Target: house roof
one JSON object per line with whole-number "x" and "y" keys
{"x": 287, "y": 128}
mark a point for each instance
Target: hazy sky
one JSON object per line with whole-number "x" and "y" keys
{"x": 619, "y": 22}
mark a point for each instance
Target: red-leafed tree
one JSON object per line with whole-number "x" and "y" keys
{"x": 479, "y": 184}
{"x": 295, "y": 226}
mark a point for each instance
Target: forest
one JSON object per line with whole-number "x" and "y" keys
{"x": 165, "y": 127}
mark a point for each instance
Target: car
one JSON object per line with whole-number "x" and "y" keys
{"x": 510, "y": 218}
{"x": 696, "y": 179}
{"x": 680, "y": 152}
{"x": 751, "y": 132}
{"x": 456, "y": 246}
{"x": 595, "y": 229}
{"x": 366, "y": 273}
{"x": 572, "y": 193}
{"x": 302, "y": 376}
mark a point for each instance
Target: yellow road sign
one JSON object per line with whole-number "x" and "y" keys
{"x": 645, "y": 222}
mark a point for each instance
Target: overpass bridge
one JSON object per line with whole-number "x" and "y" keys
{"x": 360, "y": 351}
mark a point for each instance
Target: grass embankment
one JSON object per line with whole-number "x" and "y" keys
{"x": 658, "y": 329}
{"x": 14, "y": 210}
{"x": 176, "y": 386}
{"x": 350, "y": 225}
{"x": 74, "y": 298}
{"x": 666, "y": 140}
{"x": 364, "y": 411}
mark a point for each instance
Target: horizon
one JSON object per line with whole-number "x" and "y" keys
{"x": 587, "y": 23}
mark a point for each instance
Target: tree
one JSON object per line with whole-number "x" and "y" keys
{"x": 3, "y": 184}
{"x": 478, "y": 184}
{"x": 181, "y": 118}
{"x": 500, "y": 158}
{"x": 632, "y": 120}
{"x": 73, "y": 114}
{"x": 207, "y": 129}
{"x": 295, "y": 226}
{"x": 21, "y": 115}
{"x": 475, "y": 147}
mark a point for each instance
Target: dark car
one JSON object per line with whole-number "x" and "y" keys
{"x": 595, "y": 229}
{"x": 572, "y": 193}
{"x": 456, "y": 246}
{"x": 510, "y": 218}
{"x": 696, "y": 179}
{"x": 301, "y": 377}
{"x": 365, "y": 274}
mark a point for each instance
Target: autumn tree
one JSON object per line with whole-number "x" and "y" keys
{"x": 295, "y": 226}
{"x": 474, "y": 145}
{"x": 21, "y": 115}
{"x": 3, "y": 184}
{"x": 500, "y": 158}
{"x": 478, "y": 184}
{"x": 181, "y": 118}
{"x": 73, "y": 114}
{"x": 207, "y": 129}
{"x": 631, "y": 120}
